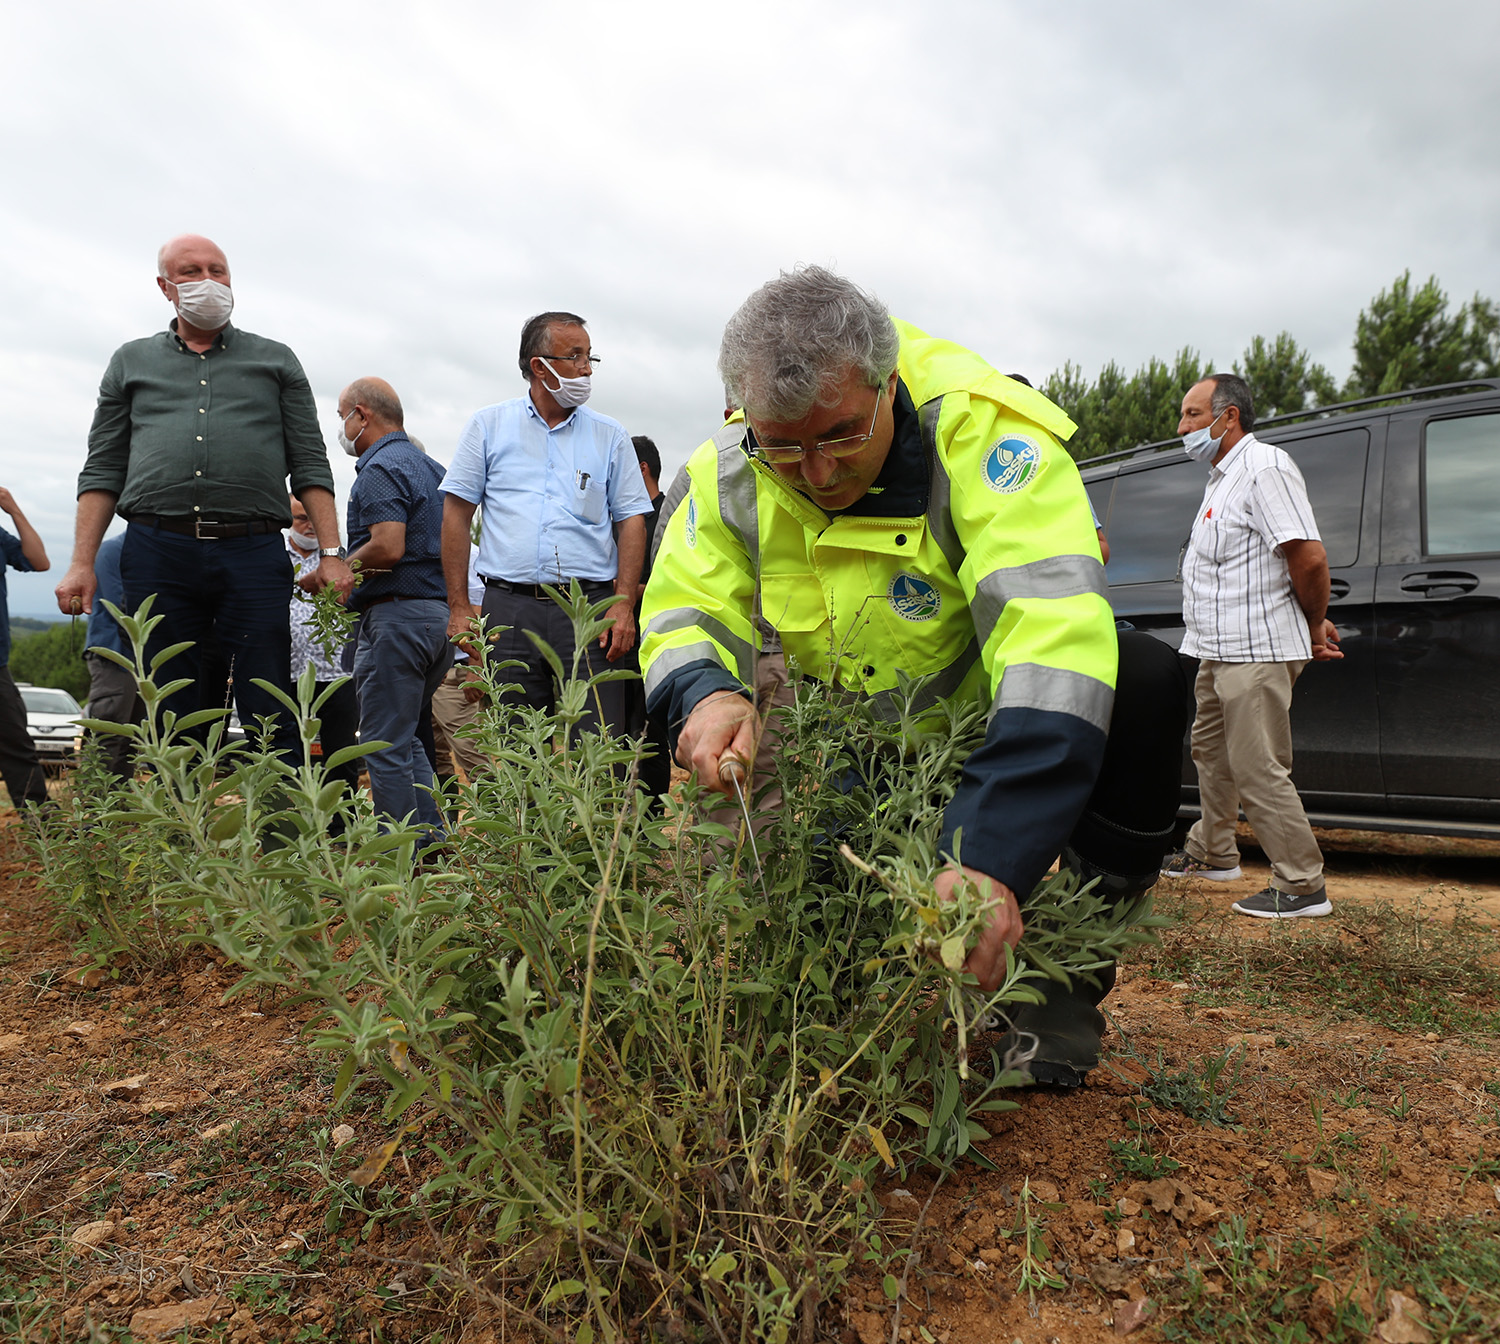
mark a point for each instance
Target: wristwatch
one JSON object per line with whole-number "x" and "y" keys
{"x": 339, "y": 551}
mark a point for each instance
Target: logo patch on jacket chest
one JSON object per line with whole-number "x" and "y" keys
{"x": 1012, "y": 463}
{"x": 913, "y": 599}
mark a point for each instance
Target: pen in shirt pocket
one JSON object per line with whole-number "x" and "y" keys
{"x": 583, "y": 480}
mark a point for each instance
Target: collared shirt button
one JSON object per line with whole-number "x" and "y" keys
{"x": 197, "y": 473}
{"x": 201, "y": 411}
{"x": 199, "y": 438}
{"x": 203, "y": 382}
{"x": 197, "y": 508}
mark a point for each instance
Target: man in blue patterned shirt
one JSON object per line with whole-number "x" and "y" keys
{"x": 395, "y": 535}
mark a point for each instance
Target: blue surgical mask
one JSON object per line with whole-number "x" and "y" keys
{"x": 1199, "y": 444}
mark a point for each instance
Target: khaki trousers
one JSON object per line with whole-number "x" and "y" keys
{"x": 452, "y": 710}
{"x": 1242, "y": 746}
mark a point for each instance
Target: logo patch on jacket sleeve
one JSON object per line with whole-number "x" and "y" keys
{"x": 690, "y": 523}
{"x": 1012, "y": 463}
{"x": 913, "y": 599}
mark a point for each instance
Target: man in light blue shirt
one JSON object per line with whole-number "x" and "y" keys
{"x": 562, "y": 499}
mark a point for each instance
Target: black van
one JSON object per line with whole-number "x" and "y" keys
{"x": 1403, "y": 733}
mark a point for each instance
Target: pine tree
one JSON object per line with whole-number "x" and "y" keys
{"x": 1406, "y": 338}
{"x": 1283, "y": 377}
{"x": 1122, "y": 411}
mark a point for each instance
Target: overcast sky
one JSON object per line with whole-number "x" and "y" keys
{"x": 398, "y": 187}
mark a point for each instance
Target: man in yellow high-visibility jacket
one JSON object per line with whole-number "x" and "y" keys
{"x": 886, "y": 502}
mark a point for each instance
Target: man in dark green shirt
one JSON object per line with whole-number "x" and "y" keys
{"x": 196, "y": 433}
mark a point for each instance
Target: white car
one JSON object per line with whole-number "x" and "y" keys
{"x": 52, "y": 720}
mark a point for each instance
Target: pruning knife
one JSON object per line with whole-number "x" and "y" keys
{"x": 732, "y": 771}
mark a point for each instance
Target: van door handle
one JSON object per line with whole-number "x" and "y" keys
{"x": 1440, "y": 583}
{"x": 1337, "y": 588}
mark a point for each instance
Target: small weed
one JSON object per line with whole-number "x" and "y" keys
{"x": 1138, "y": 1159}
{"x": 1483, "y": 1166}
{"x": 1033, "y": 1273}
{"x": 1399, "y": 1110}
{"x": 1201, "y": 1096}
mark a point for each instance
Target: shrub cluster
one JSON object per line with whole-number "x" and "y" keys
{"x": 674, "y": 1078}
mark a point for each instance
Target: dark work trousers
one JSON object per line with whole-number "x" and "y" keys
{"x": 113, "y": 697}
{"x": 1125, "y": 829}
{"x": 537, "y": 686}
{"x": 1127, "y": 825}
{"x": 654, "y": 772}
{"x": 340, "y": 716}
{"x": 236, "y": 590}
{"x": 22, "y": 771}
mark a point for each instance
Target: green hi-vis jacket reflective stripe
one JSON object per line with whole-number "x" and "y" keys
{"x": 997, "y": 591}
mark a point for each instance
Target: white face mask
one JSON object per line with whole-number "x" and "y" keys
{"x": 570, "y": 391}
{"x": 205, "y": 304}
{"x": 1199, "y": 445}
{"x": 300, "y": 541}
{"x": 345, "y": 442}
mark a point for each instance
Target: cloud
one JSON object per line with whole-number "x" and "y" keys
{"x": 399, "y": 188}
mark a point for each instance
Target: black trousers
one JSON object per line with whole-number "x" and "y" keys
{"x": 536, "y": 686}
{"x": 1127, "y": 824}
{"x": 654, "y": 772}
{"x": 113, "y": 697}
{"x": 19, "y": 766}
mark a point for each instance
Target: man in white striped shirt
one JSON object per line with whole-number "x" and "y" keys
{"x": 1255, "y": 603}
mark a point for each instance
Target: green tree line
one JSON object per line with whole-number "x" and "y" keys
{"x": 1407, "y": 337}
{"x": 53, "y": 657}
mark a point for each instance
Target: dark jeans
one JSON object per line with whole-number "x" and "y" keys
{"x": 537, "y": 686}
{"x": 402, "y": 656}
{"x": 236, "y": 590}
{"x": 114, "y": 698}
{"x": 19, "y": 765}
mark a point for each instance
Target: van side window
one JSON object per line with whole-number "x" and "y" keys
{"x": 1150, "y": 517}
{"x": 1461, "y": 486}
{"x": 1333, "y": 468}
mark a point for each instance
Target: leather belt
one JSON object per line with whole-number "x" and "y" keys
{"x": 207, "y": 529}
{"x": 539, "y": 593}
{"x": 396, "y": 597}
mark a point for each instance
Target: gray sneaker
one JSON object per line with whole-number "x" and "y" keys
{"x": 1273, "y": 904}
{"x": 1183, "y": 864}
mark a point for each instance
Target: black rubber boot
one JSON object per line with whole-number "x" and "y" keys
{"x": 1065, "y": 1032}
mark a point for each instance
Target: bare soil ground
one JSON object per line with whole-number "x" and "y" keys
{"x": 163, "y": 1154}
